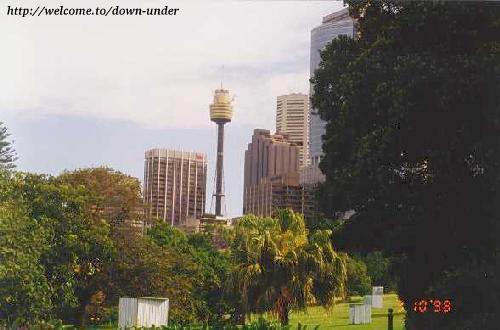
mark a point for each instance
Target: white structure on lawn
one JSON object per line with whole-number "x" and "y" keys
{"x": 360, "y": 314}
{"x": 378, "y": 297}
{"x": 142, "y": 312}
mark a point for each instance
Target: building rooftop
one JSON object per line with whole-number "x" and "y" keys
{"x": 336, "y": 16}
{"x": 162, "y": 152}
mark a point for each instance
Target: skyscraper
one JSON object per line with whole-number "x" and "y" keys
{"x": 292, "y": 120}
{"x": 278, "y": 192}
{"x": 333, "y": 25}
{"x": 175, "y": 185}
{"x": 271, "y": 179}
{"x": 269, "y": 155}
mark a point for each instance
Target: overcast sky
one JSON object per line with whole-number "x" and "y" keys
{"x": 90, "y": 91}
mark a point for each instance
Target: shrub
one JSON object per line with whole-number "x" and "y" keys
{"x": 359, "y": 282}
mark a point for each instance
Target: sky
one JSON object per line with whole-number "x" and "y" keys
{"x": 92, "y": 91}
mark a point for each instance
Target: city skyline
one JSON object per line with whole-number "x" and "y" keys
{"x": 83, "y": 107}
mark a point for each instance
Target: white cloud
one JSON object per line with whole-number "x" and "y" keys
{"x": 158, "y": 71}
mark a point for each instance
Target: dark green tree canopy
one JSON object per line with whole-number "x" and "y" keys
{"x": 412, "y": 138}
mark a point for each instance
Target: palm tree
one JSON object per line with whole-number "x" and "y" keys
{"x": 279, "y": 266}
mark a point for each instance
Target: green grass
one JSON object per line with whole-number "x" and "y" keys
{"x": 337, "y": 317}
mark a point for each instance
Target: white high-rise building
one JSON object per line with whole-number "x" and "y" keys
{"x": 292, "y": 120}
{"x": 175, "y": 185}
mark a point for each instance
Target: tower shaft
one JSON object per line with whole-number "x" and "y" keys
{"x": 219, "y": 169}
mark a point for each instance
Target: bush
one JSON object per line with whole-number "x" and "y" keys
{"x": 359, "y": 282}
{"x": 379, "y": 269}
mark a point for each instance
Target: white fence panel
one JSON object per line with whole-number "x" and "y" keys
{"x": 360, "y": 314}
{"x": 142, "y": 312}
{"x": 127, "y": 312}
{"x": 152, "y": 311}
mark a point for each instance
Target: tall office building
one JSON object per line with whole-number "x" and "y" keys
{"x": 333, "y": 25}
{"x": 271, "y": 175}
{"x": 278, "y": 192}
{"x": 292, "y": 120}
{"x": 175, "y": 185}
{"x": 269, "y": 155}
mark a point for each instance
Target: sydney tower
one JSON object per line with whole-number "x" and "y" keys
{"x": 221, "y": 112}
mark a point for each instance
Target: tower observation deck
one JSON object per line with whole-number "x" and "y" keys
{"x": 221, "y": 110}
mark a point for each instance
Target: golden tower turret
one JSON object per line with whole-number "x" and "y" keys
{"x": 221, "y": 110}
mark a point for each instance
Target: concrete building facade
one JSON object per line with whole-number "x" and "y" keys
{"x": 292, "y": 120}
{"x": 175, "y": 185}
{"x": 278, "y": 192}
{"x": 269, "y": 155}
{"x": 271, "y": 178}
{"x": 333, "y": 25}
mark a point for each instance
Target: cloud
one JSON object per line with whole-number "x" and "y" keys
{"x": 158, "y": 71}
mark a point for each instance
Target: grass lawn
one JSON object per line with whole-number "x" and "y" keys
{"x": 338, "y": 316}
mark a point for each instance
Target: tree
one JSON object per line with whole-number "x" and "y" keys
{"x": 359, "y": 282}
{"x": 78, "y": 242}
{"x": 380, "y": 270}
{"x": 7, "y": 152}
{"x": 25, "y": 293}
{"x": 213, "y": 267}
{"x": 144, "y": 268}
{"x": 278, "y": 266}
{"x": 167, "y": 236}
{"x": 114, "y": 195}
{"x": 210, "y": 271}
{"x": 412, "y": 118}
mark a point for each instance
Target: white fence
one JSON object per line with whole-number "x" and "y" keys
{"x": 142, "y": 312}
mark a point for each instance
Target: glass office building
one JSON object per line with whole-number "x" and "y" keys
{"x": 335, "y": 24}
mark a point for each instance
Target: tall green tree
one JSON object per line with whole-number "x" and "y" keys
{"x": 411, "y": 144}
{"x": 25, "y": 293}
{"x": 78, "y": 245}
{"x": 7, "y": 152}
{"x": 279, "y": 267}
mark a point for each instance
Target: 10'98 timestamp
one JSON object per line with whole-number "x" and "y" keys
{"x": 433, "y": 306}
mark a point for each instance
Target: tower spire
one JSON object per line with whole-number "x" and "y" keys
{"x": 222, "y": 77}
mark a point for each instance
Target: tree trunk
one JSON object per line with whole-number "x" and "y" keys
{"x": 284, "y": 314}
{"x": 82, "y": 312}
{"x": 83, "y": 316}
